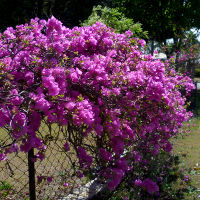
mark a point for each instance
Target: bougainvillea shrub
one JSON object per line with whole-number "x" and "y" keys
{"x": 96, "y": 84}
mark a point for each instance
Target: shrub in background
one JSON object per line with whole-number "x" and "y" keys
{"x": 111, "y": 17}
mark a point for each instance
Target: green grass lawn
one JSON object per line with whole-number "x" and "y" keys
{"x": 187, "y": 147}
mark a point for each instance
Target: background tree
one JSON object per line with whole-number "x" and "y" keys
{"x": 163, "y": 19}
{"x": 70, "y": 12}
{"x": 14, "y": 12}
{"x": 116, "y": 20}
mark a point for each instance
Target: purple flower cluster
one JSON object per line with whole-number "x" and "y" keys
{"x": 147, "y": 184}
{"x": 94, "y": 80}
{"x": 84, "y": 159}
{"x": 150, "y": 186}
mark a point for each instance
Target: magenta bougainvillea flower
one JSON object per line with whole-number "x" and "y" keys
{"x": 150, "y": 186}
{"x": 96, "y": 83}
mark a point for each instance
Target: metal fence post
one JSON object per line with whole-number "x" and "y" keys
{"x": 31, "y": 173}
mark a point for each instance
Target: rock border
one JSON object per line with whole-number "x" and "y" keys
{"x": 87, "y": 191}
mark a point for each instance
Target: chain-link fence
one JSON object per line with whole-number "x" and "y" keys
{"x": 53, "y": 178}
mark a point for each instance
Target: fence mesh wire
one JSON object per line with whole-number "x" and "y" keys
{"x": 55, "y": 176}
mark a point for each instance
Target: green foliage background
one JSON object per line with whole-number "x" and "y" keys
{"x": 116, "y": 20}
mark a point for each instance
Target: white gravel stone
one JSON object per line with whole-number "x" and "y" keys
{"x": 85, "y": 192}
